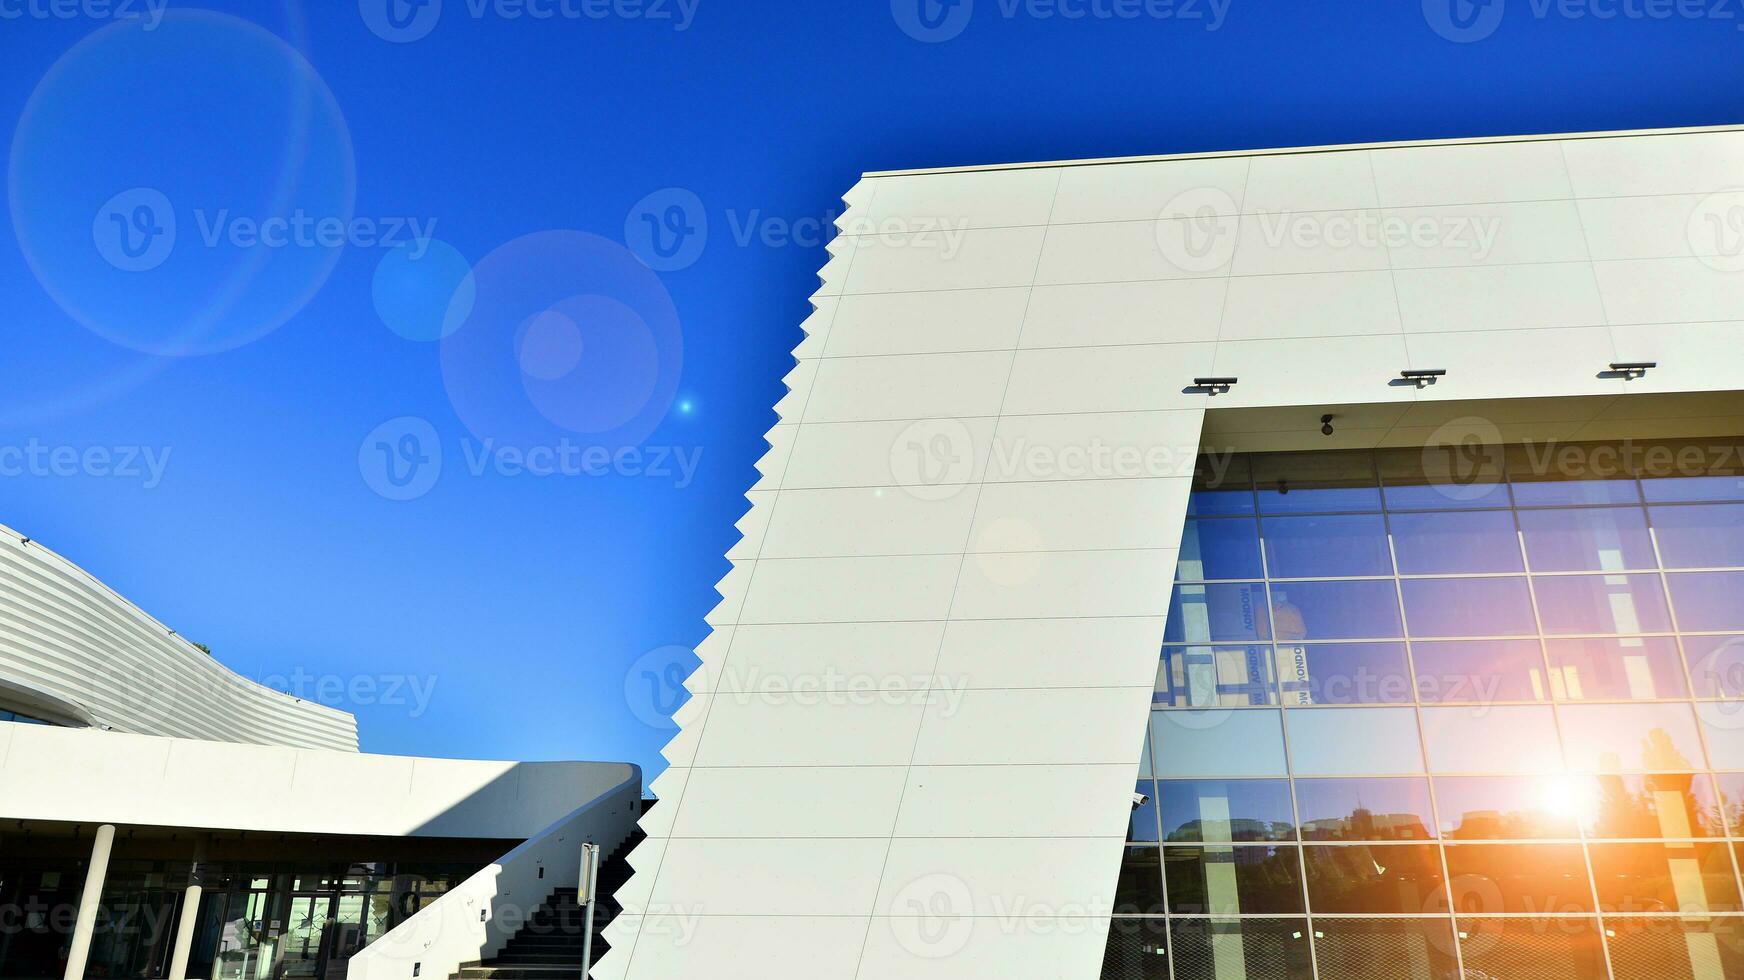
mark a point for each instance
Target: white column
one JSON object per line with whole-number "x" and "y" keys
{"x": 98, "y": 870}
{"x": 190, "y": 915}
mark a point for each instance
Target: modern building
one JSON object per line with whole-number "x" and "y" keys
{"x": 162, "y": 816}
{"x": 1323, "y": 562}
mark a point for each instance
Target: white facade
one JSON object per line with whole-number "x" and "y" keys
{"x": 75, "y": 652}
{"x": 968, "y": 521}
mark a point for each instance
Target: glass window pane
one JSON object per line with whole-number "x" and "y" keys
{"x": 1731, "y": 787}
{"x": 1364, "y": 809}
{"x": 1630, "y": 738}
{"x": 1336, "y": 610}
{"x": 1139, "y": 890}
{"x": 1468, "y": 607}
{"x": 1642, "y": 668}
{"x": 1499, "y": 878}
{"x": 1704, "y": 469}
{"x": 1594, "y": 539}
{"x": 1676, "y": 949}
{"x": 1474, "y": 542}
{"x": 1511, "y": 807}
{"x": 1302, "y": 483}
{"x": 1673, "y": 806}
{"x": 1374, "y": 879}
{"x": 1201, "y": 613}
{"x": 1211, "y": 949}
{"x": 1342, "y": 545}
{"x": 1478, "y": 671}
{"x": 1541, "y": 949}
{"x": 1343, "y": 673}
{"x": 1354, "y": 741}
{"x": 1708, "y": 601}
{"x": 1221, "y": 811}
{"x": 1218, "y": 742}
{"x": 1233, "y": 880}
{"x": 1442, "y": 477}
{"x": 1716, "y": 665}
{"x": 1222, "y": 484}
{"x": 1700, "y": 535}
{"x": 1219, "y": 548}
{"x": 1396, "y": 949}
{"x": 1686, "y": 879}
{"x": 1601, "y": 603}
{"x": 1492, "y": 740}
{"x": 1142, "y": 827}
{"x": 1722, "y": 724}
{"x": 1216, "y": 676}
{"x": 1547, "y": 474}
{"x": 1138, "y": 949}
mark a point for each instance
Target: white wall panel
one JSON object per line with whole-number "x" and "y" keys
{"x": 926, "y": 322}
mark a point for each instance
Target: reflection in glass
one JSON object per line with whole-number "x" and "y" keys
{"x": 1722, "y": 724}
{"x": 1374, "y": 879}
{"x": 1639, "y": 668}
{"x": 1336, "y": 610}
{"x": 1685, "y": 879}
{"x": 1708, "y": 601}
{"x": 1202, "y": 613}
{"x": 1539, "y": 949}
{"x": 1590, "y": 539}
{"x": 1601, "y": 603}
{"x": 1343, "y": 673}
{"x": 1478, "y": 671}
{"x": 1488, "y": 879}
{"x": 1700, "y": 535}
{"x": 1731, "y": 789}
{"x": 1513, "y": 807}
{"x": 1139, "y": 890}
{"x": 1468, "y": 607}
{"x": 1676, "y": 949}
{"x": 1222, "y": 484}
{"x": 1663, "y": 805}
{"x": 1218, "y": 742}
{"x": 1221, "y": 811}
{"x": 1509, "y": 739}
{"x": 1219, "y": 548}
{"x": 1364, "y": 809}
{"x": 1708, "y": 469}
{"x": 1232, "y": 880}
{"x": 1354, "y": 742}
{"x": 1212, "y": 949}
{"x": 1442, "y": 477}
{"x": 1142, "y": 826}
{"x": 1384, "y": 949}
{"x": 1716, "y": 665}
{"x": 1138, "y": 949}
{"x": 1631, "y": 738}
{"x": 1207, "y": 676}
{"x": 1308, "y": 483}
{"x": 1547, "y": 474}
{"x": 1449, "y": 544}
{"x": 1342, "y": 545}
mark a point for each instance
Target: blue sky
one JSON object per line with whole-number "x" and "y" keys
{"x": 236, "y": 421}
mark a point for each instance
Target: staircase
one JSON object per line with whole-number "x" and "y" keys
{"x": 548, "y": 947}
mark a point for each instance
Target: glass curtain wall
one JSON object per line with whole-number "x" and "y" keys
{"x": 1436, "y": 714}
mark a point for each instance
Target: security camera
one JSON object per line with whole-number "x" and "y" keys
{"x": 1139, "y": 799}
{"x": 1326, "y": 425}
